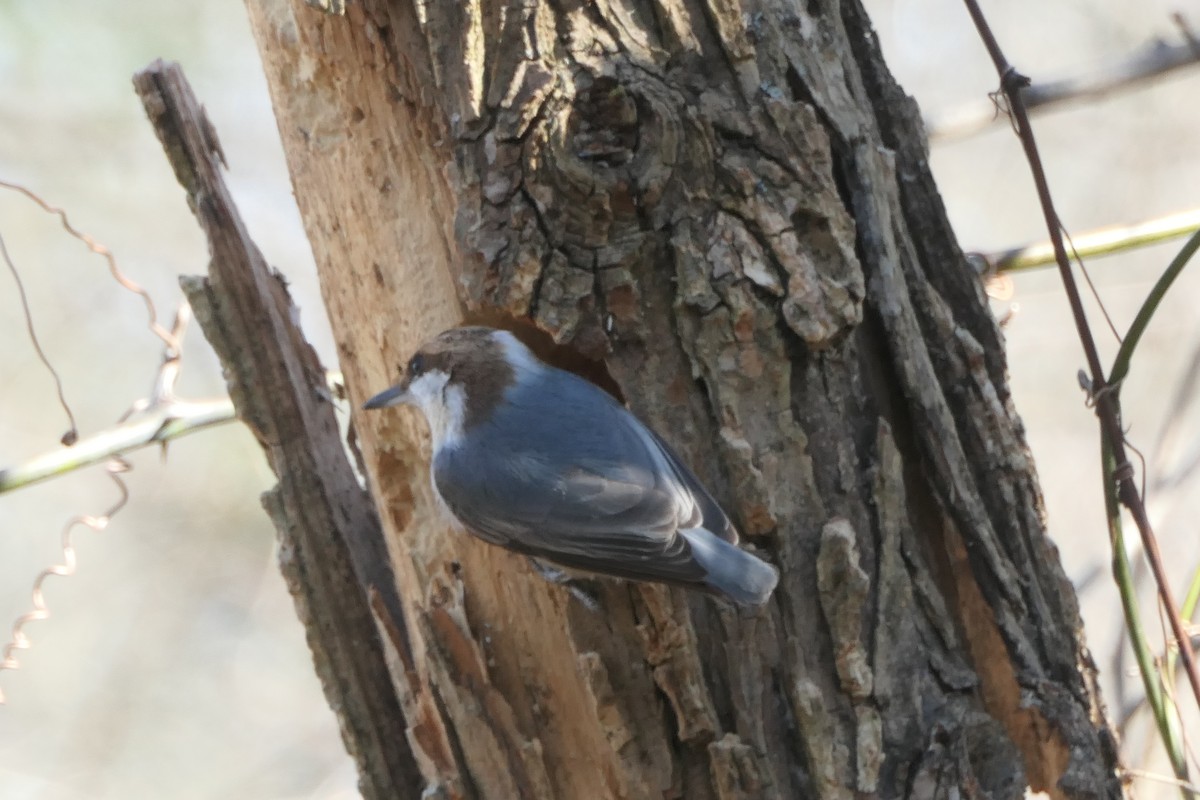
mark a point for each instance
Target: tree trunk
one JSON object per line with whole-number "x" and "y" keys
{"x": 723, "y": 213}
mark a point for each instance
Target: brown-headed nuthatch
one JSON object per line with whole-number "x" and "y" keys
{"x": 539, "y": 461}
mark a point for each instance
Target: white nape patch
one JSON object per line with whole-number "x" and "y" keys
{"x": 520, "y": 357}
{"x": 444, "y": 406}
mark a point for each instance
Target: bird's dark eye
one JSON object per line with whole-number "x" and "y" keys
{"x": 416, "y": 366}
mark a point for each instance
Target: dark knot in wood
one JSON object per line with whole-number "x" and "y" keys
{"x": 616, "y": 142}
{"x": 603, "y": 126}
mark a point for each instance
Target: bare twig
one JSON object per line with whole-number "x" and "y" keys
{"x": 168, "y": 337}
{"x": 146, "y": 422}
{"x": 1087, "y": 277}
{"x": 1100, "y": 242}
{"x": 71, "y": 435}
{"x": 1013, "y": 83}
{"x": 104, "y": 253}
{"x": 162, "y": 417}
{"x": 157, "y": 426}
{"x": 64, "y": 569}
{"x": 1164, "y": 718}
{"x": 155, "y": 419}
{"x": 1190, "y": 788}
{"x": 1155, "y": 59}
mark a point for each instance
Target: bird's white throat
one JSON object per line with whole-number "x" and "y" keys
{"x": 444, "y": 405}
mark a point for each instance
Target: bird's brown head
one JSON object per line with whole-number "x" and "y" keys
{"x": 457, "y": 379}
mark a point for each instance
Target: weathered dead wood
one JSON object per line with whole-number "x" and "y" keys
{"x": 729, "y": 204}
{"x": 331, "y": 547}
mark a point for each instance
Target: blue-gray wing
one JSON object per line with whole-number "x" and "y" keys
{"x": 714, "y": 518}
{"x": 570, "y": 475}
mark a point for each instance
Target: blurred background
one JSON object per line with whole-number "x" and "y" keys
{"x": 173, "y": 664}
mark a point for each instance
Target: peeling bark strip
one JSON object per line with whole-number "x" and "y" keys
{"x": 330, "y": 542}
{"x": 729, "y": 204}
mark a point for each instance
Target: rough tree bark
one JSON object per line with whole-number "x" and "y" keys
{"x": 331, "y": 549}
{"x": 723, "y": 212}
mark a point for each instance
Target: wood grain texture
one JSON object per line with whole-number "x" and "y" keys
{"x": 331, "y": 547}
{"x": 728, "y": 205}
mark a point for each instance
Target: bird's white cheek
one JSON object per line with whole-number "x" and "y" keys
{"x": 426, "y": 390}
{"x": 444, "y": 406}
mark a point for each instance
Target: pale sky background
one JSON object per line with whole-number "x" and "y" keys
{"x": 173, "y": 665}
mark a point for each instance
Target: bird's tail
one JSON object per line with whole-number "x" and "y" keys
{"x": 740, "y": 576}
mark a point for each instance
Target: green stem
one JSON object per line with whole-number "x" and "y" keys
{"x": 1186, "y": 610}
{"x": 1103, "y": 242}
{"x": 1121, "y": 363}
{"x": 1189, "y": 603}
{"x": 1164, "y": 717}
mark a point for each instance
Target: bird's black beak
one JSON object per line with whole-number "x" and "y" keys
{"x": 388, "y": 397}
